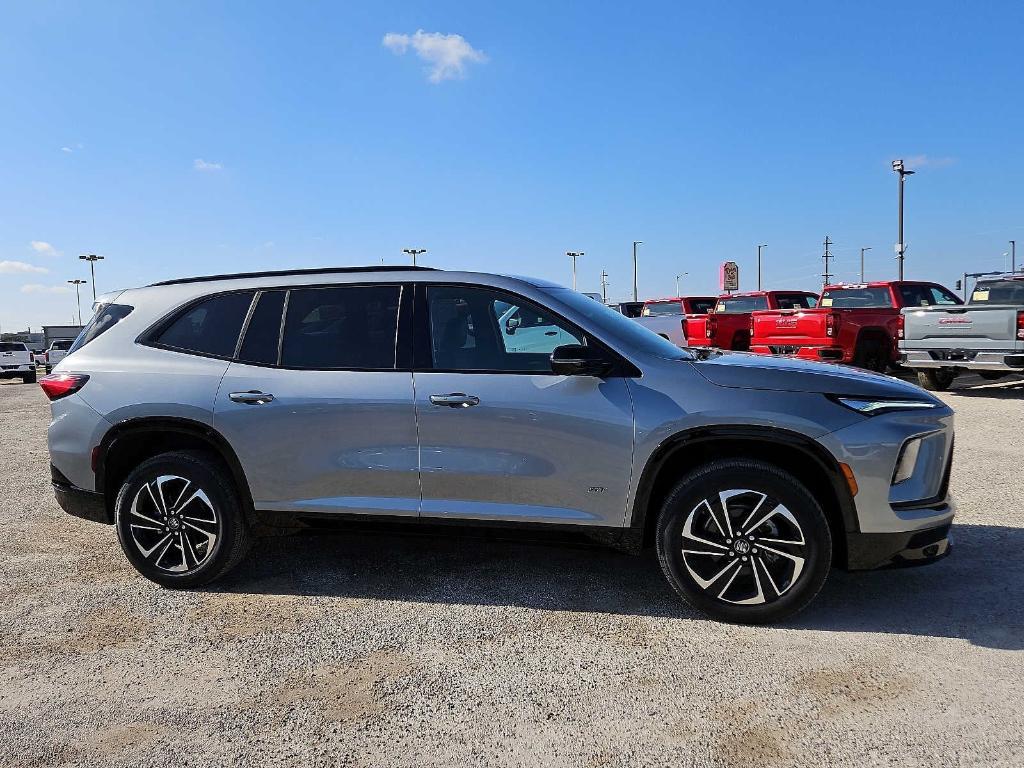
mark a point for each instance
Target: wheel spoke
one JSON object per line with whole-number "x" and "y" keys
{"x": 730, "y": 581}
{"x": 177, "y": 501}
{"x": 768, "y": 574}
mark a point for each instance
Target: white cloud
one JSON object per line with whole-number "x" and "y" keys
{"x": 204, "y": 165}
{"x": 44, "y": 248}
{"x": 20, "y": 268}
{"x": 446, "y": 55}
{"x": 39, "y": 288}
{"x": 69, "y": 150}
{"x": 922, "y": 161}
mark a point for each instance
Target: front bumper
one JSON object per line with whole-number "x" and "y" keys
{"x": 966, "y": 359}
{"x": 866, "y": 551}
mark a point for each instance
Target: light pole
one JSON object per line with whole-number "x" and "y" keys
{"x": 678, "y": 294}
{"x": 574, "y": 255}
{"x": 414, "y": 252}
{"x": 78, "y": 297}
{"x": 635, "y": 292}
{"x": 862, "y": 262}
{"x": 92, "y": 258}
{"x": 604, "y": 287}
{"x": 897, "y": 165}
{"x": 763, "y": 245}
{"x": 1013, "y": 256}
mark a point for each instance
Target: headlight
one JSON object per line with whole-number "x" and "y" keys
{"x": 875, "y": 407}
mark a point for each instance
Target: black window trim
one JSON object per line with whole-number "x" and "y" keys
{"x": 423, "y": 356}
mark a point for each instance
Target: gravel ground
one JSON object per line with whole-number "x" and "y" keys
{"x": 408, "y": 651}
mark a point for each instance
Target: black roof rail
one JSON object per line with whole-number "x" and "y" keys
{"x": 291, "y": 272}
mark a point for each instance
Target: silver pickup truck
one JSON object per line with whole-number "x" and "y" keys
{"x": 986, "y": 335}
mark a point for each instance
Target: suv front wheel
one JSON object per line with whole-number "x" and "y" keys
{"x": 179, "y": 520}
{"x": 744, "y": 541}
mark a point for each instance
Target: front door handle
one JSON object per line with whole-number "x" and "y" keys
{"x": 252, "y": 397}
{"x": 455, "y": 400}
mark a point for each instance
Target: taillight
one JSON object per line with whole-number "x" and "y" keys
{"x": 58, "y": 385}
{"x": 832, "y": 324}
{"x": 682, "y": 324}
{"x": 1020, "y": 324}
{"x": 711, "y": 326}
{"x": 901, "y": 327}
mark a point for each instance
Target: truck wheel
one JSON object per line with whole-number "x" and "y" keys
{"x": 936, "y": 379}
{"x": 29, "y": 378}
{"x": 991, "y": 375}
{"x": 870, "y": 354}
{"x": 743, "y": 541}
{"x": 179, "y": 520}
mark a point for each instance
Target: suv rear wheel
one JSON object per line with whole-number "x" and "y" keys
{"x": 179, "y": 520}
{"x": 744, "y": 541}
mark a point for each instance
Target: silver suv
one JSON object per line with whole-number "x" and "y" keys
{"x": 197, "y": 413}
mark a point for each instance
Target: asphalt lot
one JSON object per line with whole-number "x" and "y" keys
{"x": 397, "y": 650}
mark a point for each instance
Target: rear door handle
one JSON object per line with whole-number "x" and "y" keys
{"x": 252, "y": 397}
{"x": 455, "y": 400}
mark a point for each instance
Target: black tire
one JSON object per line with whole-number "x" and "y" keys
{"x": 141, "y": 522}
{"x": 870, "y": 354}
{"x": 992, "y": 375}
{"x": 935, "y": 379}
{"x": 686, "y": 569}
{"x": 29, "y": 378}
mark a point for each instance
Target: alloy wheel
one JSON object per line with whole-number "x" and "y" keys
{"x": 173, "y": 524}
{"x": 743, "y": 547}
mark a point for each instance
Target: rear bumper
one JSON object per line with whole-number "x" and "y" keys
{"x": 88, "y": 505}
{"x": 829, "y": 354}
{"x": 966, "y": 359}
{"x": 866, "y": 551}
{"x": 14, "y": 371}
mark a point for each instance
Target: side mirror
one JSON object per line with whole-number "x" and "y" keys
{"x": 578, "y": 360}
{"x": 512, "y": 323}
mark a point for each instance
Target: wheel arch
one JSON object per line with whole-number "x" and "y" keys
{"x": 131, "y": 442}
{"x": 798, "y": 454}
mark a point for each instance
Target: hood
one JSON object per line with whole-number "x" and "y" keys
{"x": 742, "y": 370}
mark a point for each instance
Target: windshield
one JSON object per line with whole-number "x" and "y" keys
{"x": 62, "y": 345}
{"x": 796, "y": 300}
{"x": 660, "y": 308}
{"x": 740, "y": 304}
{"x": 999, "y": 292}
{"x": 632, "y": 335}
{"x": 10, "y": 346}
{"x": 854, "y": 298}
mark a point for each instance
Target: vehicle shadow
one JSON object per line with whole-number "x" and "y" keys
{"x": 973, "y": 595}
{"x": 999, "y": 390}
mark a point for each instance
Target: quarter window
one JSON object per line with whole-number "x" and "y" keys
{"x": 342, "y": 327}
{"x": 210, "y": 327}
{"x": 478, "y": 329}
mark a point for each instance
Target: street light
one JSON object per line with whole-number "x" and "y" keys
{"x": 78, "y": 297}
{"x": 678, "y": 294}
{"x": 574, "y": 255}
{"x": 92, "y": 258}
{"x": 763, "y": 245}
{"x": 1013, "y": 256}
{"x": 414, "y": 252}
{"x": 862, "y": 262}
{"x": 897, "y": 166}
{"x": 635, "y": 292}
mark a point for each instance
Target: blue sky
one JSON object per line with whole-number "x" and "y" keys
{"x": 700, "y": 129}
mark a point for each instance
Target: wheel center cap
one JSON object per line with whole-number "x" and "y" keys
{"x": 173, "y": 523}
{"x": 742, "y": 546}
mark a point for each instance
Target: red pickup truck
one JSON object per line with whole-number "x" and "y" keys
{"x": 727, "y": 326}
{"x": 856, "y": 324}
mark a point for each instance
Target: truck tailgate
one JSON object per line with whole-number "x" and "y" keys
{"x": 785, "y": 327}
{"x": 979, "y": 327}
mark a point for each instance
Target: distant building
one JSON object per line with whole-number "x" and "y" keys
{"x": 52, "y": 333}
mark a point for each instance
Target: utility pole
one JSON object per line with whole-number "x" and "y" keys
{"x": 901, "y": 247}
{"x": 1013, "y": 256}
{"x": 678, "y": 294}
{"x": 414, "y": 252}
{"x": 574, "y": 255}
{"x": 604, "y": 287}
{"x": 635, "y": 292}
{"x": 764, "y": 245}
{"x": 862, "y": 262}
{"x": 92, "y": 258}
{"x": 78, "y": 297}
{"x": 826, "y": 256}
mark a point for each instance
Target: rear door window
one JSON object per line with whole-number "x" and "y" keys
{"x": 210, "y": 327}
{"x": 341, "y": 327}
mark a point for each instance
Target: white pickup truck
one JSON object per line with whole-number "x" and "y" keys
{"x": 58, "y": 351}
{"x": 16, "y": 362}
{"x": 667, "y": 317}
{"x": 986, "y": 335}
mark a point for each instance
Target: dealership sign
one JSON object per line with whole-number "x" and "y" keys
{"x": 729, "y": 276}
